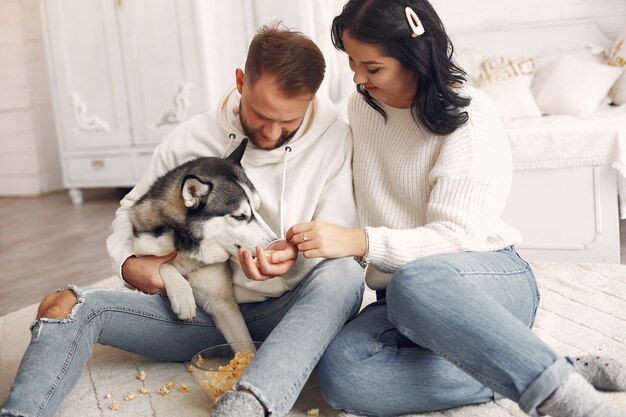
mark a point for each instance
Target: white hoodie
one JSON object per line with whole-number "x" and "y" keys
{"x": 317, "y": 180}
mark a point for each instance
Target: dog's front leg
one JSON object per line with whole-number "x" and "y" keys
{"x": 178, "y": 291}
{"x": 213, "y": 289}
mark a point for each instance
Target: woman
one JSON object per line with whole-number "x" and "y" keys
{"x": 432, "y": 170}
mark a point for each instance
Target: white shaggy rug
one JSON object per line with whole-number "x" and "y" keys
{"x": 583, "y": 310}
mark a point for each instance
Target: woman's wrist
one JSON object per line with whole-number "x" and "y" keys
{"x": 362, "y": 251}
{"x": 366, "y": 250}
{"x": 358, "y": 240}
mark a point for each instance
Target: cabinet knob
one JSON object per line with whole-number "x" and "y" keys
{"x": 97, "y": 163}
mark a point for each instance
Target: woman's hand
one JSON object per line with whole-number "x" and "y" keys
{"x": 143, "y": 272}
{"x": 318, "y": 239}
{"x": 282, "y": 256}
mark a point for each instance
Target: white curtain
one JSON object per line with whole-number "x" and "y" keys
{"x": 226, "y": 29}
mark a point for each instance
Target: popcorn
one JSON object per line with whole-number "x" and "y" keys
{"x": 164, "y": 390}
{"x": 199, "y": 362}
{"x": 314, "y": 412}
{"x": 268, "y": 256}
{"x": 190, "y": 366}
{"x": 217, "y": 382}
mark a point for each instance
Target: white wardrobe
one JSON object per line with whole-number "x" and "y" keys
{"x": 123, "y": 73}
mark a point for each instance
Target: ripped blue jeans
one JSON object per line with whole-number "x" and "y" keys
{"x": 299, "y": 324}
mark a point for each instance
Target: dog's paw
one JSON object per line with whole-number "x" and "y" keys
{"x": 183, "y": 304}
{"x": 178, "y": 291}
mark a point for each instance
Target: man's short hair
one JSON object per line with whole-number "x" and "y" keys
{"x": 291, "y": 57}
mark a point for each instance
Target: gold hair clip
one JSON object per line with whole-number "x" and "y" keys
{"x": 414, "y": 22}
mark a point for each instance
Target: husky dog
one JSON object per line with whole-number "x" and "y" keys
{"x": 205, "y": 210}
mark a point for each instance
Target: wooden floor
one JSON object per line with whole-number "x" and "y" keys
{"x": 46, "y": 243}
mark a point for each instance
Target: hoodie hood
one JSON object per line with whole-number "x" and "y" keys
{"x": 316, "y": 121}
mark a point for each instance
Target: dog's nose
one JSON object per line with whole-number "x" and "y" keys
{"x": 252, "y": 251}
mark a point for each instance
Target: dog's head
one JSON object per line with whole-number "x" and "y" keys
{"x": 207, "y": 208}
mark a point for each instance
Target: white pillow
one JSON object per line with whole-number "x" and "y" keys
{"x": 617, "y": 57}
{"x": 574, "y": 86}
{"x": 507, "y": 81}
{"x": 513, "y": 97}
{"x": 546, "y": 61}
{"x": 469, "y": 60}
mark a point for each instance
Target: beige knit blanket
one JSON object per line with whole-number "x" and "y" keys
{"x": 583, "y": 310}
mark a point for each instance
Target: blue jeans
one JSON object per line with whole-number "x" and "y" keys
{"x": 298, "y": 325}
{"x": 453, "y": 330}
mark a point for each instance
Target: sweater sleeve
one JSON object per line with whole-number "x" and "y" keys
{"x": 119, "y": 243}
{"x": 470, "y": 180}
{"x": 336, "y": 203}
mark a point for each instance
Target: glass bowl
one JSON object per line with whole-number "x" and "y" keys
{"x": 218, "y": 368}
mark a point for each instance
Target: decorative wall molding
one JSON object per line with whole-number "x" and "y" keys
{"x": 85, "y": 121}
{"x": 180, "y": 110}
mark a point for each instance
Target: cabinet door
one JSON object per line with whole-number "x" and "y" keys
{"x": 162, "y": 59}
{"x": 86, "y": 74}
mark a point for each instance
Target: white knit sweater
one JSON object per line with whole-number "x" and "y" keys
{"x": 420, "y": 194}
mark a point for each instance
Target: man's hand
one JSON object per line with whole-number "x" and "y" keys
{"x": 280, "y": 261}
{"x": 324, "y": 240}
{"x": 143, "y": 273}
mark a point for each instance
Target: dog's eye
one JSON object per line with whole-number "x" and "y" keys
{"x": 159, "y": 231}
{"x": 240, "y": 217}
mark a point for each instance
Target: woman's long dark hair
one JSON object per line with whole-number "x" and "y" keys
{"x": 437, "y": 105}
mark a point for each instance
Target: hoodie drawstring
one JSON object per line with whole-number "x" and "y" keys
{"x": 282, "y": 192}
{"x": 232, "y": 138}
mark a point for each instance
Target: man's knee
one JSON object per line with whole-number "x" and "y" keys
{"x": 58, "y": 305}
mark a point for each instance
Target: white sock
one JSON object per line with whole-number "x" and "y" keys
{"x": 238, "y": 404}
{"x": 577, "y": 398}
{"x": 603, "y": 373}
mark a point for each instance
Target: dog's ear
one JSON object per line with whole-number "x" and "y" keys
{"x": 237, "y": 154}
{"x": 195, "y": 191}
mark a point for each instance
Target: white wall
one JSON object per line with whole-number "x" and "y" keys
{"x": 29, "y": 159}
{"x": 610, "y": 15}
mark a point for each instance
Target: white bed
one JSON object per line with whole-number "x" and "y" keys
{"x": 568, "y": 170}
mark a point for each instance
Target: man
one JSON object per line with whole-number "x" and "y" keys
{"x": 300, "y": 163}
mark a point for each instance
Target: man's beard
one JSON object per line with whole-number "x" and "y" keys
{"x": 250, "y": 134}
